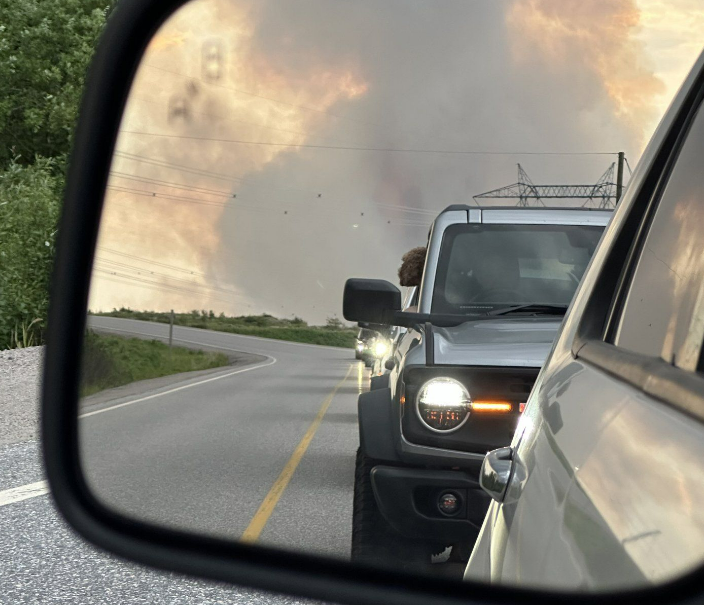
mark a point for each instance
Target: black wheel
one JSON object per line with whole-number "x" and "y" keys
{"x": 374, "y": 541}
{"x": 357, "y": 354}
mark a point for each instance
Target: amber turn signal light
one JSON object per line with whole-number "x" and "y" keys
{"x": 498, "y": 407}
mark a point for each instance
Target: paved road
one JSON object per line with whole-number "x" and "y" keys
{"x": 203, "y": 454}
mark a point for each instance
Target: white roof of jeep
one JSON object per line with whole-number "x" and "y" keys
{"x": 512, "y": 215}
{"x": 515, "y": 215}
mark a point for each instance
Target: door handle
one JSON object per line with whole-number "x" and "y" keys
{"x": 496, "y": 472}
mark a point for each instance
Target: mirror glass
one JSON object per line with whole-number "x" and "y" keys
{"x": 269, "y": 151}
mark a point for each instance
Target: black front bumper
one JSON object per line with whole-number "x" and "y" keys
{"x": 408, "y": 500}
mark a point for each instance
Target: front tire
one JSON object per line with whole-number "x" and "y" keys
{"x": 374, "y": 541}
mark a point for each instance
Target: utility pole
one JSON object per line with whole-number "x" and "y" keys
{"x": 619, "y": 175}
{"x": 171, "y": 333}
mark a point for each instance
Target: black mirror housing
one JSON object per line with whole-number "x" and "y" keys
{"x": 372, "y": 301}
{"x": 130, "y": 28}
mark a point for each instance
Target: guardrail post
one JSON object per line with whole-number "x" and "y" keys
{"x": 171, "y": 332}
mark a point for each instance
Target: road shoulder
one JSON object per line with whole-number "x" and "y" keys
{"x": 238, "y": 359}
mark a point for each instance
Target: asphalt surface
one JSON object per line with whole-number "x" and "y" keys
{"x": 43, "y": 562}
{"x": 199, "y": 453}
{"x": 19, "y": 393}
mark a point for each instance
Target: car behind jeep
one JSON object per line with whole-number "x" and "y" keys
{"x": 496, "y": 284}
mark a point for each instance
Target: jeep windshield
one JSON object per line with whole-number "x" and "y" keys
{"x": 500, "y": 269}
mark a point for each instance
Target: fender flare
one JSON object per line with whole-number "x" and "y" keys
{"x": 379, "y": 382}
{"x": 376, "y": 430}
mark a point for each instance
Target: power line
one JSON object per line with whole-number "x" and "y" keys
{"x": 212, "y": 203}
{"x": 158, "y": 285}
{"x": 150, "y": 261}
{"x": 144, "y": 179}
{"x": 221, "y": 176}
{"x": 261, "y": 208}
{"x": 153, "y": 284}
{"x": 108, "y": 276}
{"x": 409, "y": 209}
{"x": 197, "y": 171}
{"x": 196, "y": 189}
{"x": 168, "y": 197}
{"x": 141, "y": 270}
{"x": 293, "y": 216}
{"x": 376, "y": 149}
{"x": 201, "y": 172}
{"x": 165, "y": 164}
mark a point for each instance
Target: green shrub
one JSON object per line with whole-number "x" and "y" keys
{"x": 334, "y": 333}
{"x": 111, "y": 361}
{"x": 45, "y": 49}
{"x": 29, "y": 210}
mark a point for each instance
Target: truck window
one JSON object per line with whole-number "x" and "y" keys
{"x": 483, "y": 267}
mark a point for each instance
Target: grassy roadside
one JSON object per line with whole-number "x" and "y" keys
{"x": 333, "y": 334}
{"x": 112, "y": 361}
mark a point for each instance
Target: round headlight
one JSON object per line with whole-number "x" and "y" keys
{"x": 443, "y": 404}
{"x": 381, "y": 348}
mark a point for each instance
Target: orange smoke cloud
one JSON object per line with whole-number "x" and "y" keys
{"x": 601, "y": 35}
{"x": 203, "y": 77}
{"x": 166, "y": 40}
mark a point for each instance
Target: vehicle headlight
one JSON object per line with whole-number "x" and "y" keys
{"x": 381, "y": 348}
{"x": 443, "y": 404}
{"x": 360, "y": 346}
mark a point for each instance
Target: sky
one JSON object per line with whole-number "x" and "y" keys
{"x": 271, "y": 149}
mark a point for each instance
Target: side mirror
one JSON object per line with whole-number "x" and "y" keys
{"x": 370, "y": 301}
{"x": 495, "y": 473}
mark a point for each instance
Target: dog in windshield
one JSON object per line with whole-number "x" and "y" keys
{"x": 410, "y": 273}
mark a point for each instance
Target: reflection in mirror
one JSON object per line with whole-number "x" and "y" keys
{"x": 269, "y": 151}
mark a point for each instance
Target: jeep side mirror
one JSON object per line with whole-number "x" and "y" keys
{"x": 370, "y": 300}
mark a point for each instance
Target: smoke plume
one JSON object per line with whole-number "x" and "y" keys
{"x": 271, "y": 149}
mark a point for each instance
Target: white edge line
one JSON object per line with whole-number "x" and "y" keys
{"x": 24, "y": 492}
{"x": 270, "y": 361}
{"x": 41, "y": 488}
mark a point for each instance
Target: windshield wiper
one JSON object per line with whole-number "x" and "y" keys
{"x": 545, "y": 309}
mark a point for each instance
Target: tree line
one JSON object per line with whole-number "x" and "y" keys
{"x": 45, "y": 50}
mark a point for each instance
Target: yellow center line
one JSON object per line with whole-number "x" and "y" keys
{"x": 260, "y": 518}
